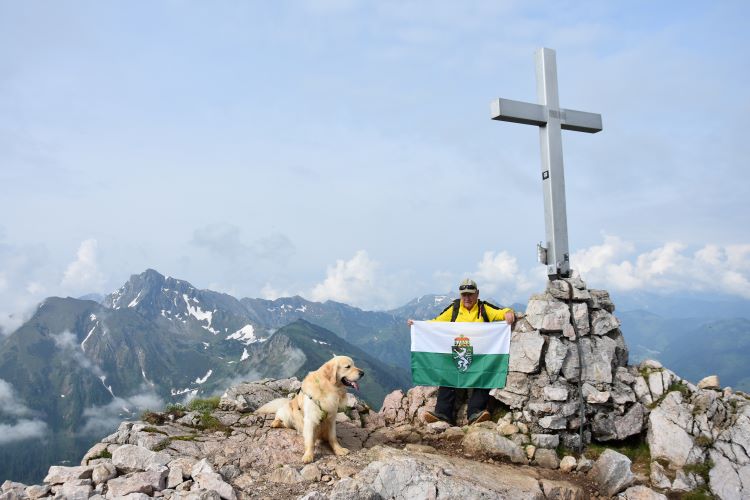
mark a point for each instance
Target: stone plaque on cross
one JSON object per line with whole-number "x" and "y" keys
{"x": 550, "y": 119}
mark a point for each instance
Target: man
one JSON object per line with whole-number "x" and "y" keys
{"x": 470, "y": 308}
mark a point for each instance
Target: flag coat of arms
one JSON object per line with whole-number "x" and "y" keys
{"x": 465, "y": 354}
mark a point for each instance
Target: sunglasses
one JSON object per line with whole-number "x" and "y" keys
{"x": 467, "y": 287}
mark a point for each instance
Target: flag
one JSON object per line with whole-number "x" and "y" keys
{"x": 462, "y": 354}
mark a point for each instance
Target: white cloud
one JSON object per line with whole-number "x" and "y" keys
{"x": 669, "y": 268}
{"x": 357, "y": 281}
{"x": 498, "y": 275}
{"x": 12, "y": 406}
{"x": 269, "y": 292}
{"x": 106, "y": 418}
{"x": 23, "y": 429}
{"x": 83, "y": 274}
{"x": 68, "y": 342}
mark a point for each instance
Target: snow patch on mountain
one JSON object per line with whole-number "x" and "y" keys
{"x": 198, "y": 313}
{"x": 202, "y": 380}
{"x": 246, "y": 335}
{"x": 137, "y": 299}
{"x": 245, "y": 355}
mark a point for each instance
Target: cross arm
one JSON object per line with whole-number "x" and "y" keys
{"x": 536, "y": 114}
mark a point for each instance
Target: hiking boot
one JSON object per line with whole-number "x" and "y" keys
{"x": 431, "y": 417}
{"x": 481, "y": 416}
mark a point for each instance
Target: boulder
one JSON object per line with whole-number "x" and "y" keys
{"x": 667, "y": 437}
{"x": 131, "y": 458}
{"x": 547, "y": 458}
{"x": 213, "y": 481}
{"x": 488, "y": 443}
{"x": 612, "y": 473}
{"x": 561, "y": 490}
{"x": 138, "y": 482}
{"x": 710, "y": 382}
{"x": 641, "y": 492}
{"x": 603, "y": 322}
{"x": 59, "y": 474}
{"x": 598, "y": 360}
{"x": 249, "y": 396}
{"x": 545, "y": 440}
{"x": 525, "y": 352}
{"x": 568, "y": 463}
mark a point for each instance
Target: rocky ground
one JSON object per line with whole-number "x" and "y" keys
{"x": 229, "y": 452}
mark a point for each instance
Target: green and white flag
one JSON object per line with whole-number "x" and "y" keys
{"x": 462, "y": 354}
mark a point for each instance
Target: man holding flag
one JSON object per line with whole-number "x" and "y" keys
{"x": 456, "y": 351}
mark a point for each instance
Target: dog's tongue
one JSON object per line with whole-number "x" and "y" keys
{"x": 355, "y": 385}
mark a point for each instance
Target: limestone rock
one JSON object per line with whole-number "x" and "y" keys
{"x": 659, "y": 477}
{"x": 488, "y": 443}
{"x": 138, "y": 482}
{"x": 560, "y": 290}
{"x": 568, "y": 463}
{"x": 561, "y": 490}
{"x": 547, "y": 458}
{"x": 248, "y": 396}
{"x": 552, "y": 393}
{"x": 603, "y": 322}
{"x": 600, "y": 300}
{"x": 131, "y": 458}
{"x": 59, "y": 474}
{"x": 37, "y": 491}
{"x": 545, "y": 440}
{"x": 557, "y": 350}
{"x": 103, "y": 472}
{"x": 548, "y": 315}
{"x": 598, "y": 360}
{"x": 667, "y": 437}
{"x": 710, "y": 382}
{"x": 640, "y": 492}
{"x": 311, "y": 472}
{"x": 612, "y": 473}
{"x": 609, "y": 426}
{"x": 213, "y": 481}
{"x": 525, "y": 352}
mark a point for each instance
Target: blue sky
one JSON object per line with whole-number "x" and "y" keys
{"x": 343, "y": 149}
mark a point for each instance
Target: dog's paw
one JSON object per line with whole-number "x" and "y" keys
{"x": 277, "y": 423}
{"x": 307, "y": 458}
{"x": 341, "y": 451}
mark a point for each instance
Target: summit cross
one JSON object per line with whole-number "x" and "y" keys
{"x": 550, "y": 119}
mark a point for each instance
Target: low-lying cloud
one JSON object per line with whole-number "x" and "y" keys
{"x": 106, "y": 418}
{"x": 68, "y": 342}
{"x": 24, "y": 424}
{"x": 358, "y": 281}
{"x": 672, "y": 267}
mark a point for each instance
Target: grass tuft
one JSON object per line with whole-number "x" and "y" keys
{"x": 204, "y": 404}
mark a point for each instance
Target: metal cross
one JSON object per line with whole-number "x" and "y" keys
{"x": 548, "y": 116}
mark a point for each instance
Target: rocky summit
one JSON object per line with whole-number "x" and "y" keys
{"x": 647, "y": 433}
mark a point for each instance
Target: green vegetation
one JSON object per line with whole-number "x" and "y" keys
{"x": 103, "y": 454}
{"x": 635, "y": 448}
{"x": 204, "y": 405}
{"x": 154, "y": 430}
{"x": 162, "y": 445}
{"x": 176, "y": 410}
{"x": 679, "y": 387}
{"x": 153, "y": 418}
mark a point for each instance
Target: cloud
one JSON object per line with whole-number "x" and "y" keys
{"x": 669, "y": 268}
{"x": 68, "y": 342}
{"x": 106, "y": 418}
{"x": 224, "y": 240}
{"x": 498, "y": 275}
{"x": 23, "y": 429}
{"x": 11, "y": 406}
{"x": 357, "y": 281}
{"x": 83, "y": 274}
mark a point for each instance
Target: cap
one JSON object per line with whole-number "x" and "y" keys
{"x": 468, "y": 286}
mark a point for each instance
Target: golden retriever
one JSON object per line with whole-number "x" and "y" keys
{"x": 313, "y": 410}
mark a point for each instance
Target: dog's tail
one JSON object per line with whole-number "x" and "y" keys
{"x": 272, "y": 406}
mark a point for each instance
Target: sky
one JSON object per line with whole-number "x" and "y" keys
{"x": 344, "y": 150}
